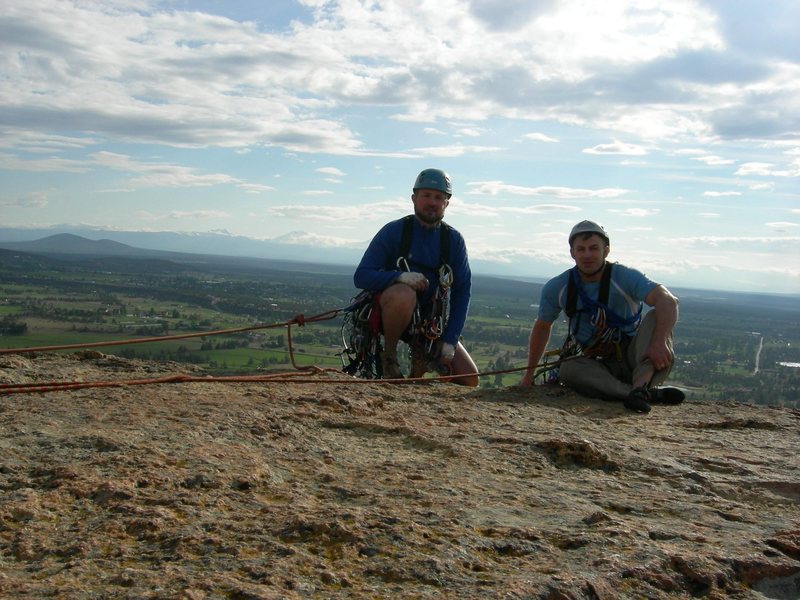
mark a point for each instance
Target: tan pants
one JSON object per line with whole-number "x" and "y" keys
{"x": 610, "y": 378}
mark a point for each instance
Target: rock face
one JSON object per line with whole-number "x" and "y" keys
{"x": 335, "y": 489}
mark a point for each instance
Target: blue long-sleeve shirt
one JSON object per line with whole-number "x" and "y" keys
{"x": 378, "y": 268}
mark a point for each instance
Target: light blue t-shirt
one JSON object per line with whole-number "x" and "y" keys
{"x": 626, "y": 294}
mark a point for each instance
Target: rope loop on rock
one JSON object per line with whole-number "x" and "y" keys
{"x": 286, "y": 377}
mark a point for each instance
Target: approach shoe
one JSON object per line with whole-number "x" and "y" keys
{"x": 637, "y": 400}
{"x": 419, "y": 361}
{"x": 667, "y": 395}
{"x": 391, "y": 368}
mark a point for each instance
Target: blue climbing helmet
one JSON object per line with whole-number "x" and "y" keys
{"x": 434, "y": 179}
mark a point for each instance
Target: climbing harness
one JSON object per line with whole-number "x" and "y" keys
{"x": 609, "y": 339}
{"x": 608, "y": 325}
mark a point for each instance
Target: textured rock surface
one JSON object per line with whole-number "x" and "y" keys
{"x": 289, "y": 490}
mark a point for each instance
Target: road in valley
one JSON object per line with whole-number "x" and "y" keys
{"x": 758, "y": 354}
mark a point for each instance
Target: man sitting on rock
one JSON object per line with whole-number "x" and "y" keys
{"x": 611, "y": 351}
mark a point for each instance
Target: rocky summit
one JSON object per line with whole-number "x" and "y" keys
{"x": 329, "y": 487}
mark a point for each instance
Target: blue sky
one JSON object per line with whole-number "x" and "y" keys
{"x": 675, "y": 124}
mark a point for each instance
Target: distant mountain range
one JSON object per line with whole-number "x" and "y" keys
{"x": 294, "y": 247}
{"x": 68, "y": 243}
{"x": 68, "y": 246}
{"x": 137, "y": 243}
{"x": 105, "y": 253}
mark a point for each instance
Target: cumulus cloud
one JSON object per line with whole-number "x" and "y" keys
{"x": 192, "y": 79}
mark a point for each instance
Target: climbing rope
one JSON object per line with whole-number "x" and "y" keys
{"x": 288, "y": 377}
{"x": 300, "y": 320}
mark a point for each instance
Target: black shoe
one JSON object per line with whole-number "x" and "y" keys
{"x": 667, "y": 395}
{"x": 637, "y": 400}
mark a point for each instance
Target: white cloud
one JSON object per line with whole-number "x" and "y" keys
{"x": 32, "y": 200}
{"x": 768, "y": 170}
{"x": 255, "y": 188}
{"x": 635, "y": 212}
{"x": 331, "y": 171}
{"x": 304, "y": 238}
{"x": 374, "y": 211}
{"x": 454, "y": 150}
{"x": 158, "y": 175}
{"x": 181, "y": 215}
{"x": 198, "y": 214}
{"x": 754, "y": 168}
{"x": 540, "y": 137}
{"x": 714, "y": 161}
{"x": 493, "y": 188}
{"x": 782, "y": 225}
{"x": 617, "y": 147}
{"x": 469, "y": 132}
{"x": 713, "y": 194}
{"x": 718, "y": 240}
{"x": 10, "y": 162}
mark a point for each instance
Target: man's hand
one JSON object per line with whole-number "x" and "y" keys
{"x": 659, "y": 355}
{"x": 418, "y": 281}
{"x": 446, "y": 353}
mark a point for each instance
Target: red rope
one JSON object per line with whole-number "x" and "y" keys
{"x": 287, "y": 377}
{"x": 299, "y": 319}
{"x": 284, "y": 377}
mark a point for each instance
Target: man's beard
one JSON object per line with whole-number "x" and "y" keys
{"x": 429, "y": 219}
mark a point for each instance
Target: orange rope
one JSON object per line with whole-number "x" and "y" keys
{"x": 284, "y": 377}
{"x": 299, "y": 319}
{"x": 287, "y": 377}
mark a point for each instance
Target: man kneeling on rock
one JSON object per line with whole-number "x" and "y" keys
{"x": 418, "y": 268}
{"x": 611, "y": 351}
